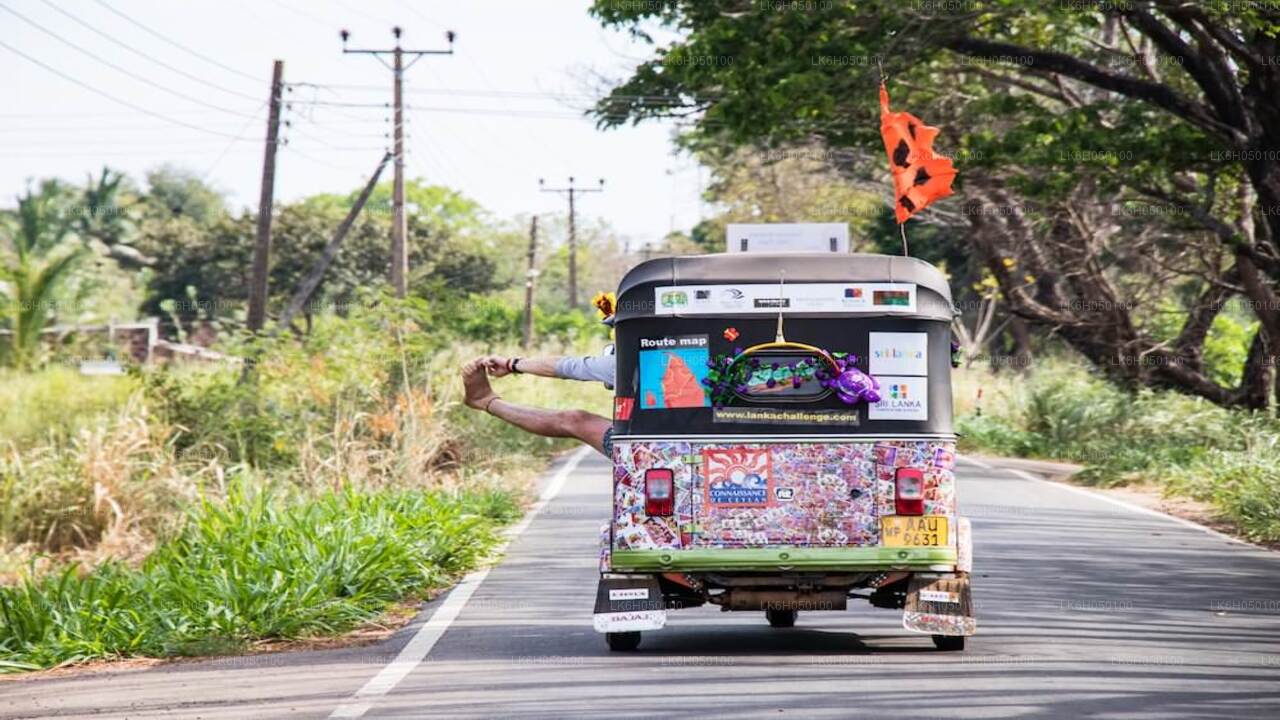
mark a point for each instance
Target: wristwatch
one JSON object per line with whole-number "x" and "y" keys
{"x": 513, "y": 366}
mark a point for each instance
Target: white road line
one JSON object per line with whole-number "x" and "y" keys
{"x": 1114, "y": 501}
{"x": 434, "y": 628}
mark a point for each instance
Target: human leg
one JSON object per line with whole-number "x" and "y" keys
{"x": 585, "y": 426}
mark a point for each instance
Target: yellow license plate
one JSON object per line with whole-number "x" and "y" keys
{"x": 907, "y": 531}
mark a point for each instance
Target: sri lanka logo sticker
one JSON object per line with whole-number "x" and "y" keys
{"x": 675, "y": 298}
{"x": 907, "y": 399}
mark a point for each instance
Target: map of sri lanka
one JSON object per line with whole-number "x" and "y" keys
{"x": 680, "y": 387}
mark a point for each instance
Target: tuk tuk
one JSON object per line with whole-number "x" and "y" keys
{"x": 782, "y": 443}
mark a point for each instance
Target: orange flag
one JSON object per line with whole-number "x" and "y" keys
{"x": 919, "y": 176}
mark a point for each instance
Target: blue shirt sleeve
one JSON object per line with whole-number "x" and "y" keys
{"x": 602, "y": 368}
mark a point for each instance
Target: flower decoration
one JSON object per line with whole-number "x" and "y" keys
{"x": 605, "y": 303}
{"x": 732, "y": 374}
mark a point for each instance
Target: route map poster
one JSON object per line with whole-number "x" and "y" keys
{"x": 672, "y": 369}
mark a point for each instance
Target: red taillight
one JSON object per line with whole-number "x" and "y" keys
{"x": 659, "y": 492}
{"x": 908, "y": 497}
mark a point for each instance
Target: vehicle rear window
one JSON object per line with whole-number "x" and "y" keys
{"x": 782, "y": 376}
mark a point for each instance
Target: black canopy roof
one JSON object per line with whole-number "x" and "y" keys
{"x": 635, "y": 298}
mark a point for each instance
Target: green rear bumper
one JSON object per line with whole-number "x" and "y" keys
{"x": 784, "y": 559}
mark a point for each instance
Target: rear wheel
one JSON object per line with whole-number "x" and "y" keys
{"x": 781, "y": 618}
{"x": 622, "y": 641}
{"x": 948, "y": 642}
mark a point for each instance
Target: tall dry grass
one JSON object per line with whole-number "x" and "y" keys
{"x": 368, "y": 414}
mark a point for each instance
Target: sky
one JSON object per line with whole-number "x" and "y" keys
{"x": 186, "y": 82}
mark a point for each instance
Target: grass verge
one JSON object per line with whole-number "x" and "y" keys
{"x": 1187, "y": 446}
{"x": 251, "y": 568}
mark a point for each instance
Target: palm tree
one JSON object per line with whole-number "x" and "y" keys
{"x": 34, "y": 262}
{"x": 102, "y": 217}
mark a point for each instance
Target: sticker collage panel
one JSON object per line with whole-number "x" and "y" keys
{"x": 758, "y": 495}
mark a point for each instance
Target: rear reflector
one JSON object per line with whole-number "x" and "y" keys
{"x": 908, "y": 498}
{"x": 659, "y": 492}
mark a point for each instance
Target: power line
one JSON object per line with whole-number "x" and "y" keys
{"x": 57, "y": 142}
{"x": 311, "y": 108}
{"x": 177, "y": 44}
{"x": 109, "y": 96}
{"x": 312, "y": 158}
{"x": 328, "y": 103}
{"x": 497, "y": 111}
{"x": 240, "y": 137}
{"x": 153, "y": 59}
{"x": 139, "y": 152}
{"x": 472, "y": 111}
{"x": 484, "y": 78}
{"x": 90, "y": 115}
{"x": 116, "y": 67}
{"x": 294, "y": 129}
{"x": 494, "y": 92}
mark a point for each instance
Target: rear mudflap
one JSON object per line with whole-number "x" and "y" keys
{"x": 939, "y": 605}
{"x": 629, "y": 603}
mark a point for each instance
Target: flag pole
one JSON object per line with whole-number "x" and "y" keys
{"x": 902, "y": 227}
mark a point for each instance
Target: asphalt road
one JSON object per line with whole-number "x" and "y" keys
{"x": 1085, "y": 609}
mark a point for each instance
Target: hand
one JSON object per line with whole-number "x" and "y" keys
{"x": 497, "y": 366}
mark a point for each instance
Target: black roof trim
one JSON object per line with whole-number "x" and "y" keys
{"x": 728, "y": 268}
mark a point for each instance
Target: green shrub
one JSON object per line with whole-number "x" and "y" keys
{"x": 215, "y": 414}
{"x": 993, "y": 434}
{"x": 1186, "y": 444}
{"x": 254, "y": 568}
{"x": 1244, "y": 486}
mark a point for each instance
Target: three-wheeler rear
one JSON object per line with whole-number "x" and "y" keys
{"x": 783, "y": 443}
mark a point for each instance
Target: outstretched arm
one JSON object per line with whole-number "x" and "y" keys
{"x": 588, "y": 368}
{"x": 499, "y": 366}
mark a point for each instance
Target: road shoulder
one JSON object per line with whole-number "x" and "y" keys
{"x": 1143, "y": 496}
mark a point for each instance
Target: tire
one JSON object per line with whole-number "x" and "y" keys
{"x": 622, "y": 641}
{"x": 949, "y": 642}
{"x": 781, "y": 618}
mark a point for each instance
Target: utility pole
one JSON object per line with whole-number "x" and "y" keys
{"x": 528, "y": 283}
{"x": 571, "y": 191}
{"x": 262, "y": 246}
{"x": 312, "y": 280}
{"x": 399, "y": 225}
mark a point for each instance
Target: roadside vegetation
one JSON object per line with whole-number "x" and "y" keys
{"x": 1188, "y": 446}
{"x": 249, "y": 566}
{"x": 306, "y": 483}
{"x": 198, "y": 513}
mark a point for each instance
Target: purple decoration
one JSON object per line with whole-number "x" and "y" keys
{"x": 852, "y": 385}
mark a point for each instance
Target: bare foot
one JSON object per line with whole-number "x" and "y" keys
{"x": 475, "y": 384}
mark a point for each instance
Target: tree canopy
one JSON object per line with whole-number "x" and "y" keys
{"x": 1117, "y": 159}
